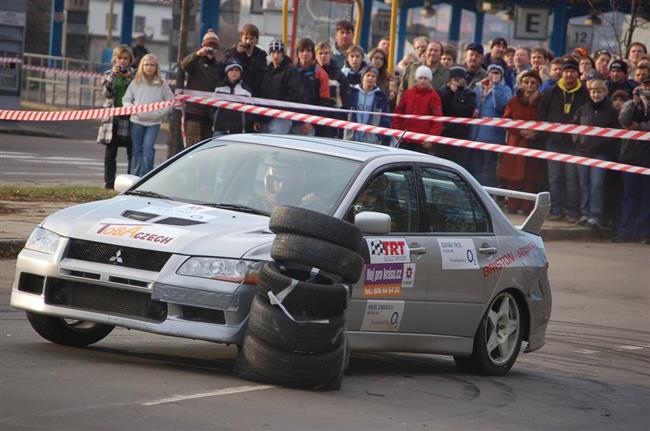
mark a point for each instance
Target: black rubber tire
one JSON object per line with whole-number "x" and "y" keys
{"x": 274, "y": 366}
{"x": 480, "y": 362}
{"x": 58, "y": 331}
{"x": 321, "y": 254}
{"x": 269, "y": 323}
{"x": 321, "y": 296}
{"x": 301, "y": 221}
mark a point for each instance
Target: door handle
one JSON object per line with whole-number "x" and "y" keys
{"x": 418, "y": 250}
{"x": 487, "y": 250}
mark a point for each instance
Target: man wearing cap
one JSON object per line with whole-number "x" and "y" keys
{"x": 422, "y": 99}
{"x": 473, "y": 58}
{"x": 559, "y": 105}
{"x": 252, "y": 58}
{"x": 618, "y": 78}
{"x": 228, "y": 121}
{"x": 497, "y": 54}
{"x": 432, "y": 58}
{"x": 458, "y": 100}
{"x": 203, "y": 72}
{"x": 281, "y": 82}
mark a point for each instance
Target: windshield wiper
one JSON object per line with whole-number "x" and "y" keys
{"x": 147, "y": 193}
{"x": 238, "y": 207}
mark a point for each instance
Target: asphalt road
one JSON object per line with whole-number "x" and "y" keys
{"x": 43, "y": 160}
{"x": 593, "y": 374}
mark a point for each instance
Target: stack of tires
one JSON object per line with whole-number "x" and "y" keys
{"x": 296, "y": 327}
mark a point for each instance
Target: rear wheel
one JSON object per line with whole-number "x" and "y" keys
{"x": 497, "y": 340}
{"x": 69, "y": 332}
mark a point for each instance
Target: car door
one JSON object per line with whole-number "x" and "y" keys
{"x": 391, "y": 293}
{"x": 460, "y": 244}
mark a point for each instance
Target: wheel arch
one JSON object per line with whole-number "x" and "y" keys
{"x": 523, "y": 307}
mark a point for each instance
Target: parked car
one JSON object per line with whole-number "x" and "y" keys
{"x": 178, "y": 252}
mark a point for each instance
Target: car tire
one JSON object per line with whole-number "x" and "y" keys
{"x": 497, "y": 340}
{"x": 75, "y": 333}
{"x": 320, "y": 295}
{"x": 270, "y": 324}
{"x": 275, "y": 366}
{"x": 301, "y": 221}
{"x": 317, "y": 253}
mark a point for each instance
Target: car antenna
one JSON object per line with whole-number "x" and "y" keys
{"x": 399, "y": 140}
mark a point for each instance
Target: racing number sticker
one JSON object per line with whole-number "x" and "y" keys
{"x": 458, "y": 253}
{"x": 383, "y": 316}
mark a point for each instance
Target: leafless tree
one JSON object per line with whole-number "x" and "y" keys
{"x": 628, "y": 16}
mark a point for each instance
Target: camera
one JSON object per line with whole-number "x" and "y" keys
{"x": 124, "y": 69}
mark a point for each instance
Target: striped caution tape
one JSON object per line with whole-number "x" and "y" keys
{"x": 86, "y": 114}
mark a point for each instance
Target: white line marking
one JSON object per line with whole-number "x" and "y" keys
{"x": 629, "y": 347}
{"x": 586, "y": 351}
{"x": 218, "y": 392}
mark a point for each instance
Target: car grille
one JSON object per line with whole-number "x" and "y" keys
{"x": 93, "y": 297}
{"x": 128, "y": 257}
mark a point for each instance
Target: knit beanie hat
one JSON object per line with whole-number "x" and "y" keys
{"x": 494, "y": 66}
{"x": 233, "y": 63}
{"x": 276, "y": 45}
{"x": 210, "y": 37}
{"x": 423, "y": 72}
{"x": 571, "y": 64}
{"x": 457, "y": 72}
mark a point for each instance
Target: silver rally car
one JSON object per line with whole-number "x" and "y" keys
{"x": 178, "y": 252}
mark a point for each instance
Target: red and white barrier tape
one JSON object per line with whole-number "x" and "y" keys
{"x": 540, "y": 126}
{"x": 411, "y": 136}
{"x": 87, "y": 114}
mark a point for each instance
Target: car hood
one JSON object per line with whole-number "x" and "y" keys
{"x": 163, "y": 225}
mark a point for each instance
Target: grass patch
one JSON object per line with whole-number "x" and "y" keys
{"x": 54, "y": 193}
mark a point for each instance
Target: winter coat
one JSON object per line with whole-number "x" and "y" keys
{"x": 551, "y": 108}
{"x": 353, "y": 76}
{"x": 143, "y": 92}
{"x": 474, "y": 77}
{"x": 518, "y": 168}
{"x": 203, "y": 74}
{"x": 338, "y": 83}
{"x": 373, "y": 101}
{"x": 282, "y": 82}
{"x": 228, "y": 120}
{"x": 419, "y": 102}
{"x": 490, "y": 103}
{"x": 314, "y": 85}
{"x": 440, "y": 78}
{"x": 105, "y": 132}
{"x": 507, "y": 75}
{"x": 601, "y": 114}
{"x": 635, "y": 152}
{"x": 459, "y": 104}
{"x": 254, "y": 67}
{"x": 628, "y": 85}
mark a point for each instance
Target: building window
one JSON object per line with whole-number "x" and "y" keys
{"x": 114, "y": 22}
{"x": 165, "y": 26}
{"x": 138, "y": 25}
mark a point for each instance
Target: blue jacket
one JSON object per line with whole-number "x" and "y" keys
{"x": 374, "y": 101}
{"x": 491, "y": 105}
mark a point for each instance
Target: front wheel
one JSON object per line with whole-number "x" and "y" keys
{"x": 497, "y": 340}
{"x": 69, "y": 332}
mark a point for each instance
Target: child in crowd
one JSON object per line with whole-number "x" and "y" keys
{"x": 147, "y": 87}
{"x": 367, "y": 98}
{"x": 354, "y": 63}
{"x": 619, "y": 97}
{"x": 228, "y": 121}
{"x": 597, "y": 112}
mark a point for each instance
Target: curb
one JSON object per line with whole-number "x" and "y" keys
{"x": 31, "y": 132}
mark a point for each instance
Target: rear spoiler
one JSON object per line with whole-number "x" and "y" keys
{"x": 535, "y": 220}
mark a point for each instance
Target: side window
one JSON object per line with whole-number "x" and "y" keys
{"x": 450, "y": 204}
{"x": 391, "y": 192}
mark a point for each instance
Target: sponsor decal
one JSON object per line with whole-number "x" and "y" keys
{"x": 387, "y": 279}
{"x": 458, "y": 253}
{"x": 384, "y": 316}
{"x": 140, "y": 232}
{"x": 188, "y": 212}
{"x": 508, "y": 259}
{"x": 388, "y": 250}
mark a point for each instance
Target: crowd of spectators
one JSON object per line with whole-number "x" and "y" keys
{"x": 600, "y": 89}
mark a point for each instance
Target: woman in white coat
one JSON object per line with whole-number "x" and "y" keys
{"x": 147, "y": 87}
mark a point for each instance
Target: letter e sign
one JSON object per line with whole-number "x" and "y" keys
{"x": 531, "y": 23}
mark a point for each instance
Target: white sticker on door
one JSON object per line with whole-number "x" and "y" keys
{"x": 383, "y": 316}
{"x": 388, "y": 250}
{"x": 458, "y": 253}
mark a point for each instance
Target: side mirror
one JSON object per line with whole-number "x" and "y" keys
{"x": 373, "y": 222}
{"x": 124, "y": 182}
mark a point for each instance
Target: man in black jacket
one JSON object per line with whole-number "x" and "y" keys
{"x": 252, "y": 59}
{"x": 618, "y": 78}
{"x": 559, "y": 104}
{"x": 338, "y": 84}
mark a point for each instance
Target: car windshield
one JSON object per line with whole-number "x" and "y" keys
{"x": 253, "y": 178}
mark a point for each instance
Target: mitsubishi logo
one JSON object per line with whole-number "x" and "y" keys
{"x": 117, "y": 258}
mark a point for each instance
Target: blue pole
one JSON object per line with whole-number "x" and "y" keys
{"x": 560, "y": 21}
{"x": 402, "y": 21}
{"x": 454, "y": 26}
{"x": 56, "y": 30}
{"x": 209, "y": 16}
{"x": 478, "y": 30}
{"x": 126, "y": 35}
{"x": 364, "y": 37}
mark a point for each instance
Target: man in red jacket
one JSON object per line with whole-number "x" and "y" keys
{"x": 421, "y": 99}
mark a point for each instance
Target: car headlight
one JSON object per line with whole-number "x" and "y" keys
{"x": 42, "y": 240}
{"x": 235, "y": 270}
